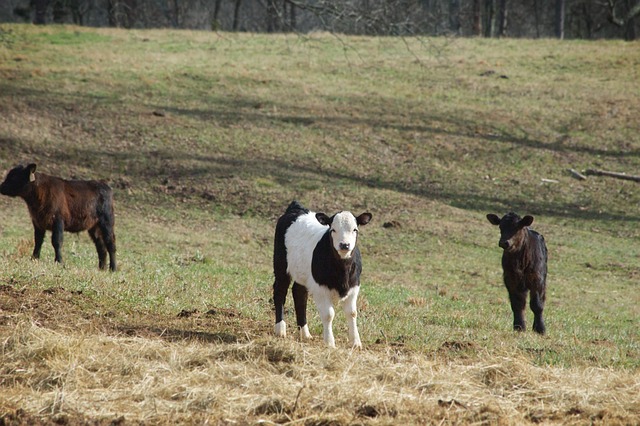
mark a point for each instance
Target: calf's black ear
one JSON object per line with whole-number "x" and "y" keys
{"x": 525, "y": 221}
{"x": 324, "y": 219}
{"x": 364, "y": 218}
{"x": 494, "y": 219}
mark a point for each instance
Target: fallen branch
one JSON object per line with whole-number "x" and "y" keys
{"x": 576, "y": 174}
{"x": 596, "y": 172}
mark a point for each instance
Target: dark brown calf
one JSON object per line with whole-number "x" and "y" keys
{"x": 59, "y": 205}
{"x": 524, "y": 264}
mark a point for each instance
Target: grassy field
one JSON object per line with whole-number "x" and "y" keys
{"x": 206, "y": 138}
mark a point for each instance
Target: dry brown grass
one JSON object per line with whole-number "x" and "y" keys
{"x": 102, "y": 370}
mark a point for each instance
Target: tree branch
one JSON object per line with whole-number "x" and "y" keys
{"x": 596, "y": 172}
{"x": 621, "y": 22}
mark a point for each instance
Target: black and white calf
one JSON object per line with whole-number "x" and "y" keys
{"x": 320, "y": 254}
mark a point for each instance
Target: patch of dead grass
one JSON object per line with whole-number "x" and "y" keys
{"x": 61, "y": 373}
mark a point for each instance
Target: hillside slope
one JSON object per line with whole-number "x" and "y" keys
{"x": 206, "y": 138}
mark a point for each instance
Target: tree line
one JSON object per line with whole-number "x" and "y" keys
{"x": 587, "y": 19}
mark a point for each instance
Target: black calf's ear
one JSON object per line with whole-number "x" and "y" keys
{"x": 324, "y": 219}
{"x": 364, "y": 218}
{"x": 525, "y": 221}
{"x": 495, "y": 220}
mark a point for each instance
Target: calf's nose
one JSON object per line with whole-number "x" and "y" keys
{"x": 504, "y": 244}
{"x": 344, "y": 246}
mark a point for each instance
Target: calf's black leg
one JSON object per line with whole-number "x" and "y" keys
{"x": 537, "y": 306}
{"x": 280, "y": 289}
{"x": 57, "y": 237}
{"x": 518, "y": 304}
{"x": 38, "y": 237}
{"x": 300, "y": 296}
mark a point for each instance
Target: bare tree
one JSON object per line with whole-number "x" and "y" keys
{"x": 454, "y": 16}
{"x": 477, "y": 18}
{"x": 236, "y": 15}
{"x": 627, "y": 20}
{"x": 559, "y": 27}
{"x": 121, "y": 13}
{"x": 536, "y": 14}
{"x": 41, "y": 12}
{"x": 501, "y": 18}
{"x": 489, "y": 18}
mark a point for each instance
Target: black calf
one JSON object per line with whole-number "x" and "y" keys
{"x": 524, "y": 264}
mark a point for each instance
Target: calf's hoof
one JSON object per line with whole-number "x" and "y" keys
{"x": 281, "y": 329}
{"x": 304, "y": 333}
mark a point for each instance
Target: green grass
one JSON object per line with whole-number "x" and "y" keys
{"x": 245, "y": 123}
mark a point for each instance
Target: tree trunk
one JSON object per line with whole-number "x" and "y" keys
{"x": 292, "y": 16}
{"x": 59, "y": 12}
{"x": 236, "y": 15}
{"x": 488, "y": 17}
{"x": 454, "y": 16}
{"x": 215, "y": 25}
{"x": 501, "y": 17}
{"x": 477, "y": 18}
{"x": 111, "y": 13}
{"x": 41, "y": 12}
{"x": 175, "y": 18}
{"x": 588, "y": 22}
{"x": 628, "y": 20}
{"x": 272, "y": 16}
{"x": 537, "y": 17}
{"x": 560, "y": 8}
{"x": 494, "y": 18}
{"x": 630, "y": 30}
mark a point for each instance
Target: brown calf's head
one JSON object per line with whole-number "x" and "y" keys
{"x": 17, "y": 180}
{"x": 511, "y": 229}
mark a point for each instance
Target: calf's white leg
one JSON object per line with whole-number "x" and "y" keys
{"x": 281, "y": 329}
{"x": 304, "y": 333}
{"x": 327, "y": 313}
{"x": 351, "y": 314}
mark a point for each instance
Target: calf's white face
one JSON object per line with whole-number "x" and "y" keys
{"x": 344, "y": 233}
{"x": 344, "y": 230}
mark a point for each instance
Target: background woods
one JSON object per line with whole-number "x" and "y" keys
{"x": 586, "y": 19}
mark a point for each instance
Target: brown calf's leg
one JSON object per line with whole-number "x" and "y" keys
{"x": 38, "y": 237}
{"x": 100, "y": 247}
{"x": 57, "y": 237}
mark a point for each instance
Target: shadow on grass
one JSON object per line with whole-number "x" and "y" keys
{"x": 288, "y": 175}
{"x": 464, "y": 128}
{"x": 177, "y": 335}
{"x": 155, "y": 165}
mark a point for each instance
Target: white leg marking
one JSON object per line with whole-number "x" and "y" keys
{"x": 326, "y": 311}
{"x": 304, "y": 333}
{"x": 351, "y": 314}
{"x": 281, "y": 329}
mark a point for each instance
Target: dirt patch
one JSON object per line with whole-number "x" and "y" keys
{"x": 57, "y": 308}
{"x": 20, "y": 417}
